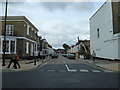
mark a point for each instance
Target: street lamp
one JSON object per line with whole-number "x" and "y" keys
{"x": 4, "y": 42}
{"x": 78, "y": 47}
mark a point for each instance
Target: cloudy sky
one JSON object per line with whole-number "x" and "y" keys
{"x": 58, "y": 22}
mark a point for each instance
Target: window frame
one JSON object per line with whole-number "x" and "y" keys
{"x": 28, "y": 29}
{"x": 9, "y": 29}
{"x": 27, "y": 47}
{"x": 98, "y": 33}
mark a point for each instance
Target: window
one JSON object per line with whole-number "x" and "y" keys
{"x": 35, "y": 34}
{"x": 12, "y": 46}
{"x": 38, "y": 47}
{"x": 9, "y": 30}
{"x": 35, "y": 47}
{"x": 27, "y": 47}
{"x": 27, "y": 29}
{"x": 7, "y": 46}
{"x": 98, "y": 33}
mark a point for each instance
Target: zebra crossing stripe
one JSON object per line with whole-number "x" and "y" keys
{"x": 83, "y": 70}
{"x": 96, "y": 71}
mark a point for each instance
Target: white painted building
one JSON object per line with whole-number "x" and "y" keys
{"x": 105, "y": 31}
{"x": 73, "y": 49}
{"x": 50, "y": 50}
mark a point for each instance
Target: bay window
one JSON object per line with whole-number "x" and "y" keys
{"x": 10, "y": 46}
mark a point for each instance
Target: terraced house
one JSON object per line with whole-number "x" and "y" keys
{"x": 21, "y": 37}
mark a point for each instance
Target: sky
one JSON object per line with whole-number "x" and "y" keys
{"x": 57, "y": 22}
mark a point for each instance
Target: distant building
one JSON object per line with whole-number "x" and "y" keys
{"x": 21, "y": 37}
{"x": 60, "y": 51}
{"x": 82, "y": 47}
{"x": 105, "y": 31}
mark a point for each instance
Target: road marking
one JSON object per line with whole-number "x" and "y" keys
{"x": 107, "y": 71}
{"x": 67, "y": 67}
{"x": 95, "y": 70}
{"x": 73, "y": 70}
{"x": 51, "y": 70}
{"x": 83, "y": 70}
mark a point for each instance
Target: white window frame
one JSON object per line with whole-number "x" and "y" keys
{"x": 0, "y": 45}
{"x": 28, "y": 31}
{"x": 9, "y": 52}
{"x": 27, "y": 47}
{"x": 9, "y": 30}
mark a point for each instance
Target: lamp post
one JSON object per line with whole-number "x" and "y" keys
{"x": 4, "y": 42}
{"x": 78, "y": 47}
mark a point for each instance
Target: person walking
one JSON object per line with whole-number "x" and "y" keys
{"x": 93, "y": 56}
{"x": 12, "y": 60}
{"x": 17, "y": 59}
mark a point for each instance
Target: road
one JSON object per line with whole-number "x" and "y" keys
{"x": 61, "y": 73}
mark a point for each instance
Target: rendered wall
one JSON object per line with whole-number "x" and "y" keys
{"x": 105, "y": 46}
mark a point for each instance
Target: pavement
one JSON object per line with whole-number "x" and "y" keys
{"x": 25, "y": 65}
{"x": 106, "y": 64}
{"x": 29, "y": 64}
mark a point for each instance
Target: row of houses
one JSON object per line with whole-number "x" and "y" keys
{"x": 105, "y": 31}
{"x": 80, "y": 49}
{"x": 22, "y": 38}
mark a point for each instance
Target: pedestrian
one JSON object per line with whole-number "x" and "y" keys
{"x": 17, "y": 59}
{"x": 12, "y": 60}
{"x": 93, "y": 56}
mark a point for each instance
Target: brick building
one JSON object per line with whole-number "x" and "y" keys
{"x": 21, "y": 37}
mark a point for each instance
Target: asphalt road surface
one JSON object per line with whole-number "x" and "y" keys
{"x": 61, "y": 73}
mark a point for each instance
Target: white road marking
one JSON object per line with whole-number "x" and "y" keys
{"x": 83, "y": 70}
{"x": 73, "y": 70}
{"x": 95, "y": 70}
{"x": 67, "y": 67}
{"x": 51, "y": 70}
{"x": 107, "y": 71}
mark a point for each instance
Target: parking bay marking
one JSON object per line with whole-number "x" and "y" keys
{"x": 83, "y": 70}
{"x": 96, "y": 71}
{"x": 72, "y": 70}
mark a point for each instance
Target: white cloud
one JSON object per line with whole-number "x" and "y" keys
{"x": 58, "y": 22}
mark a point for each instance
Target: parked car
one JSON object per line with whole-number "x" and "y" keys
{"x": 71, "y": 56}
{"x": 65, "y": 55}
{"x": 54, "y": 56}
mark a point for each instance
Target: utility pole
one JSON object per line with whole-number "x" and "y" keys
{"x": 4, "y": 42}
{"x": 78, "y": 47}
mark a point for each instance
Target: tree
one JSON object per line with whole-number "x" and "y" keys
{"x": 65, "y": 46}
